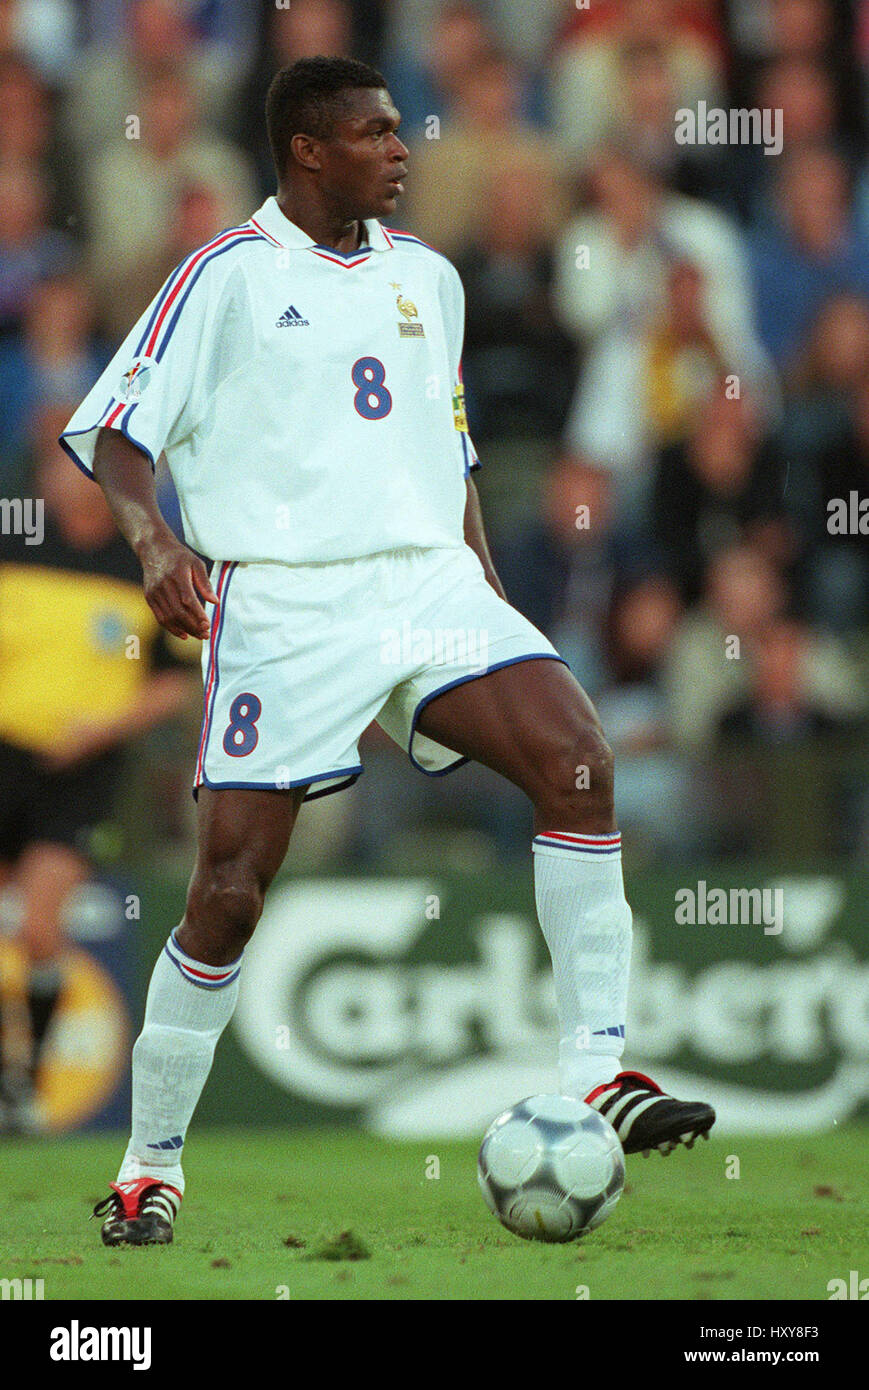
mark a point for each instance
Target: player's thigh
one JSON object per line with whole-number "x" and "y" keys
{"x": 516, "y": 720}
{"x": 245, "y": 829}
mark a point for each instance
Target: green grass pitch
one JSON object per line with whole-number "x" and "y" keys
{"x": 265, "y": 1208}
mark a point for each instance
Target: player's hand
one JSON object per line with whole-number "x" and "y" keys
{"x": 176, "y": 584}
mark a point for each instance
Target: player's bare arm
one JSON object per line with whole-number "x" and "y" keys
{"x": 175, "y": 580}
{"x": 475, "y": 536}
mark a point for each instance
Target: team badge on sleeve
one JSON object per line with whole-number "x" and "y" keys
{"x": 135, "y": 380}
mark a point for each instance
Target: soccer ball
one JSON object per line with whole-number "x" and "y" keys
{"x": 551, "y": 1168}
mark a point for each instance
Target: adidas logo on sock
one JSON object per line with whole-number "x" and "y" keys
{"x": 174, "y": 1143}
{"x": 291, "y": 318}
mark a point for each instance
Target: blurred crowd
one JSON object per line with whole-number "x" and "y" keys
{"x": 666, "y": 357}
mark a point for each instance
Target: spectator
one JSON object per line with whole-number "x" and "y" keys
{"x": 29, "y": 137}
{"x": 646, "y": 119}
{"x": 614, "y": 260}
{"x": 518, "y": 362}
{"x": 707, "y": 671}
{"x": 820, "y": 393}
{"x": 55, "y": 360}
{"x": 782, "y": 778}
{"x": 560, "y": 569}
{"x": 43, "y": 33}
{"x": 30, "y": 250}
{"x": 816, "y": 250}
{"x": 837, "y": 562}
{"x": 109, "y": 81}
{"x": 805, "y": 94}
{"x": 793, "y": 32}
{"x": 527, "y": 32}
{"x": 825, "y": 374}
{"x": 721, "y": 487}
{"x": 230, "y": 25}
{"x": 642, "y": 386}
{"x": 134, "y": 185}
{"x": 653, "y": 789}
{"x": 780, "y": 706}
{"x": 70, "y": 699}
{"x": 586, "y": 91}
{"x": 197, "y": 214}
{"x": 801, "y": 28}
{"x": 427, "y": 75}
{"x": 486, "y": 133}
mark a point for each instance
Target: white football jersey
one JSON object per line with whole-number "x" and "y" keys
{"x": 309, "y": 403}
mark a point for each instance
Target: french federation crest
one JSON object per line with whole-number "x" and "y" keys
{"x": 409, "y": 311}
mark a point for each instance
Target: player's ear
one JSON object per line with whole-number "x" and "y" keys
{"x": 307, "y": 151}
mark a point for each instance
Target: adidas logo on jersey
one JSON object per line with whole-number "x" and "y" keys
{"x": 291, "y": 318}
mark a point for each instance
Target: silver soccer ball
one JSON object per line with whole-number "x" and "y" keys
{"x": 551, "y": 1168}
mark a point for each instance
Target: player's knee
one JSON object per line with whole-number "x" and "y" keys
{"x": 223, "y": 908}
{"x": 575, "y": 778}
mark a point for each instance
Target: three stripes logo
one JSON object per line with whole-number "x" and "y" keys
{"x": 291, "y": 318}
{"x": 174, "y": 1143}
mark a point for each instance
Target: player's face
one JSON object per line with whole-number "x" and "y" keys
{"x": 364, "y": 164}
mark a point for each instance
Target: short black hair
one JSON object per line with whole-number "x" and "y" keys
{"x": 307, "y": 98}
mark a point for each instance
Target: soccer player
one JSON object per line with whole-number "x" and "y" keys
{"x": 302, "y": 373}
{"x": 84, "y": 668}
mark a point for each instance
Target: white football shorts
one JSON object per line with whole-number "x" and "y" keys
{"x": 302, "y": 658}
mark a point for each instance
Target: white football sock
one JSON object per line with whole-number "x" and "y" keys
{"x": 189, "y": 1005}
{"x": 587, "y": 925}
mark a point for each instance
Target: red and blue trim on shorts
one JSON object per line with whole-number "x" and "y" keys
{"x": 212, "y": 670}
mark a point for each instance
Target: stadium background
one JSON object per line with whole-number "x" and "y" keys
{"x": 398, "y": 979}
